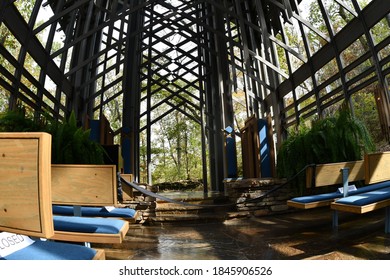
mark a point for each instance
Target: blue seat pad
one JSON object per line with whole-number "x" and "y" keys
{"x": 366, "y": 198}
{"x": 94, "y": 211}
{"x": 334, "y": 195}
{"x": 317, "y": 197}
{"x": 47, "y": 250}
{"x": 87, "y": 225}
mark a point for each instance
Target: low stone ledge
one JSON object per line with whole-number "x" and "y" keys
{"x": 247, "y": 193}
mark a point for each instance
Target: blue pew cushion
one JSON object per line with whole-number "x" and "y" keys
{"x": 95, "y": 211}
{"x": 317, "y": 197}
{"x": 87, "y": 225}
{"x": 337, "y": 194}
{"x": 366, "y": 198}
{"x": 26, "y": 248}
{"x": 47, "y": 250}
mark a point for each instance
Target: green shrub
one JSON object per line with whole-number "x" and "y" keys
{"x": 71, "y": 144}
{"x": 332, "y": 139}
{"x": 18, "y": 121}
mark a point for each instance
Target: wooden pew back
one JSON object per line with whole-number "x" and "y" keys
{"x": 127, "y": 192}
{"x": 87, "y": 185}
{"x": 25, "y": 200}
{"x": 329, "y": 174}
{"x": 377, "y": 167}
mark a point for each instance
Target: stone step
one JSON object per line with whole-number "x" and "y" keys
{"x": 217, "y": 205}
{"x": 205, "y": 206}
{"x": 200, "y": 217}
{"x": 201, "y": 210}
{"x": 248, "y": 198}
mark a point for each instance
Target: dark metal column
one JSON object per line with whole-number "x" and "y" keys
{"x": 215, "y": 87}
{"x": 131, "y": 95}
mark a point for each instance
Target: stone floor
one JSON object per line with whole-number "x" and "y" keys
{"x": 293, "y": 236}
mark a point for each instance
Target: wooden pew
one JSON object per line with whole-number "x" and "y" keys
{"x": 329, "y": 174}
{"x": 84, "y": 184}
{"x": 87, "y": 190}
{"x": 89, "y": 230}
{"x": 83, "y": 229}
{"x": 322, "y": 175}
{"x": 25, "y": 201}
{"x": 377, "y": 166}
{"x": 377, "y": 170}
{"x": 127, "y": 192}
{"x": 79, "y": 187}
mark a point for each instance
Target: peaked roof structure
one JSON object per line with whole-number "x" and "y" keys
{"x": 200, "y": 59}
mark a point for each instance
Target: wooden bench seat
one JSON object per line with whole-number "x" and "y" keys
{"x": 326, "y": 199}
{"x": 74, "y": 185}
{"x": 377, "y": 169}
{"x": 25, "y": 201}
{"x": 374, "y": 195}
{"x": 48, "y": 250}
{"x": 322, "y": 175}
{"x": 91, "y": 211}
{"x": 364, "y": 202}
{"x": 87, "y": 190}
{"x": 90, "y": 230}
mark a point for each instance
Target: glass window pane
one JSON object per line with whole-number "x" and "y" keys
{"x": 338, "y": 16}
{"x": 380, "y": 31}
{"x": 354, "y": 51}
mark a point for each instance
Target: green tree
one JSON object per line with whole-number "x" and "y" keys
{"x": 13, "y": 46}
{"x": 337, "y": 138}
{"x": 177, "y": 148}
{"x": 363, "y": 101}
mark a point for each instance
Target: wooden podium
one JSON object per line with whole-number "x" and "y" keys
{"x": 258, "y": 155}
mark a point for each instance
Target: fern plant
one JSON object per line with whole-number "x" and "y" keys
{"x": 332, "y": 139}
{"x": 71, "y": 144}
{"x": 18, "y": 120}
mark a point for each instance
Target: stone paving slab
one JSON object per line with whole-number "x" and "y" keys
{"x": 296, "y": 236}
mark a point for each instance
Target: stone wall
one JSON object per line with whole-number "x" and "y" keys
{"x": 246, "y": 193}
{"x": 144, "y": 204}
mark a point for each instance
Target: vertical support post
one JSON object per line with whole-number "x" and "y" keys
{"x": 387, "y": 220}
{"x": 77, "y": 213}
{"x": 335, "y": 219}
{"x": 77, "y": 210}
{"x": 131, "y": 96}
{"x": 231, "y": 156}
{"x": 335, "y": 215}
{"x": 345, "y": 173}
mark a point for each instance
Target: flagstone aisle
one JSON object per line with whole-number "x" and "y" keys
{"x": 298, "y": 235}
